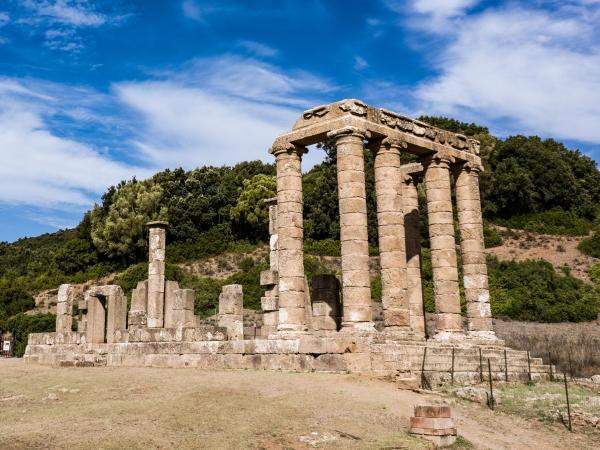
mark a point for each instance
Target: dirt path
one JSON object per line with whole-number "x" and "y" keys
{"x": 42, "y": 407}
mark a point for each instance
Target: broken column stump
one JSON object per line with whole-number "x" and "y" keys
{"x": 231, "y": 316}
{"x": 434, "y": 423}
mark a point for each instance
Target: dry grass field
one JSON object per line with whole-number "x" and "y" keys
{"x": 44, "y": 407}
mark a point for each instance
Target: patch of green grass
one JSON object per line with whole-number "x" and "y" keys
{"x": 541, "y": 400}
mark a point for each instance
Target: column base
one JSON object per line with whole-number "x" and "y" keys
{"x": 449, "y": 336}
{"x": 366, "y": 327}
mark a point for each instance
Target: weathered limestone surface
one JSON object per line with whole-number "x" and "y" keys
{"x": 290, "y": 232}
{"x": 156, "y": 273}
{"x": 390, "y": 218}
{"x": 231, "y": 311}
{"x": 443, "y": 245}
{"x": 353, "y": 228}
{"x": 67, "y": 298}
{"x": 410, "y": 200}
{"x": 475, "y": 279}
{"x": 139, "y": 304}
{"x": 106, "y": 312}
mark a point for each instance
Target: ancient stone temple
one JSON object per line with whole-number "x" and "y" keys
{"x": 331, "y": 326}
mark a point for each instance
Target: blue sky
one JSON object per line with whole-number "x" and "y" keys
{"x": 93, "y": 92}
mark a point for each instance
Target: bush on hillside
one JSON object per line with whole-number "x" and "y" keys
{"x": 534, "y": 291}
{"x": 555, "y": 221}
{"x": 491, "y": 237}
{"x": 14, "y": 300}
{"x": 591, "y": 245}
{"x": 21, "y": 325}
{"x": 75, "y": 256}
{"x": 594, "y": 273}
{"x": 325, "y": 247}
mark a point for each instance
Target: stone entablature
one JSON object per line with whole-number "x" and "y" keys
{"x": 421, "y": 138}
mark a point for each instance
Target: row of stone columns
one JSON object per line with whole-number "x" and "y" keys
{"x": 397, "y": 212}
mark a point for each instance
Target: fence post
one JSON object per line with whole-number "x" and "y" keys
{"x": 570, "y": 364}
{"x": 480, "y": 367}
{"x": 452, "y": 369}
{"x": 505, "y": 367}
{"x": 550, "y": 365}
{"x": 528, "y": 366}
{"x": 491, "y": 385}
{"x": 568, "y": 403}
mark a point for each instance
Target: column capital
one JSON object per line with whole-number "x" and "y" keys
{"x": 349, "y": 131}
{"x": 439, "y": 159}
{"x": 279, "y": 148}
{"x": 409, "y": 179}
{"x": 390, "y": 142}
{"x": 468, "y": 167}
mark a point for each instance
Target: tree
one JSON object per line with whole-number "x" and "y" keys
{"x": 76, "y": 255}
{"x": 250, "y": 206}
{"x": 121, "y": 232}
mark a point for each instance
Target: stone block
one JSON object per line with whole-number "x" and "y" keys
{"x": 432, "y": 411}
{"x": 268, "y": 277}
{"x": 269, "y": 303}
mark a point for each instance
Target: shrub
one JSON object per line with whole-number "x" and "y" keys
{"x": 491, "y": 237}
{"x": 591, "y": 245}
{"x": 534, "y": 291}
{"x": 14, "y": 300}
{"x": 75, "y": 256}
{"x": 23, "y": 324}
{"x": 554, "y": 221}
{"x": 325, "y": 247}
{"x": 594, "y": 273}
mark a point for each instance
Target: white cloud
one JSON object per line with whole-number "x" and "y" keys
{"x": 70, "y": 12}
{"x": 191, "y": 10}
{"x": 524, "y": 70}
{"x": 42, "y": 168}
{"x": 217, "y": 111}
{"x": 258, "y": 48}
{"x": 360, "y": 63}
{"x": 432, "y": 14}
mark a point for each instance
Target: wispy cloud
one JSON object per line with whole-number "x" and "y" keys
{"x": 530, "y": 70}
{"x": 41, "y": 167}
{"x": 360, "y": 63}
{"x": 218, "y": 111}
{"x": 68, "y": 12}
{"x": 192, "y": 10}
{"x": 258, "y": 49}
{"x": 61, "y": 21}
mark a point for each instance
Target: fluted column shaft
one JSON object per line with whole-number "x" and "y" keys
{"x": 410, "y": 201}
{"x": 290, "y": 232}
{"x": 356, "y": 286}
{"x": 443, "y": 244}
{"x": 390, "y": 221}
{"x": 475, "y": 278}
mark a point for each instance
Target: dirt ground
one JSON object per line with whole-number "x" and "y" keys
{"x": 44, "y": 407}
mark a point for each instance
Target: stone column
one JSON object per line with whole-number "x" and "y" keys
{"x": 390, "y": 221}
{"x": 472, "y": 246}
{"x": 290, "y": 233}
{"x": 156, "y": 273}
{"x": 356, "y": 286}
{"x": 410, "y": 203}
{"x": 443, "y": 245}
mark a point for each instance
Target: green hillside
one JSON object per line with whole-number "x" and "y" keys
{"x": 529, "y": 183}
